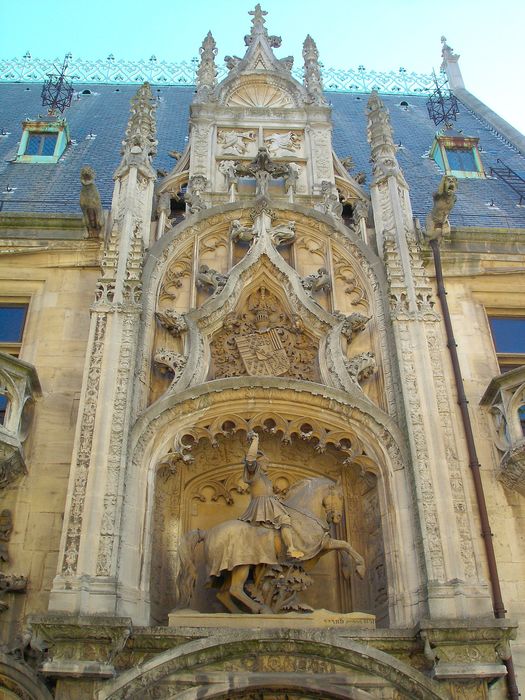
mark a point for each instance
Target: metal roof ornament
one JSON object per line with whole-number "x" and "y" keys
{"x": 57, "y": 91}
{"x": 442, "y": 105}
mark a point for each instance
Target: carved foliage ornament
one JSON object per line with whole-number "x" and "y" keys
{"x": 263, "y": 340}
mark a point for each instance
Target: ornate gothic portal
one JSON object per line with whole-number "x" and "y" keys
{"x": 211, "y": 490}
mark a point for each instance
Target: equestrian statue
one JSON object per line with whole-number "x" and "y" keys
{"x": 263, "y": 558}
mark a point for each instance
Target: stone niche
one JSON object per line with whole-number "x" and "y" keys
{"x": 210, "y": 490}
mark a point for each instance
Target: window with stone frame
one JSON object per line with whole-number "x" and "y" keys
{"x": 508, "y": 334}
{"x": 13, "y": 316}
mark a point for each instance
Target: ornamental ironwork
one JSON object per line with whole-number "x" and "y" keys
{"x": 442, "y": 105}
{"x": 117, "y": 72}
{"x": 57, "y": 91}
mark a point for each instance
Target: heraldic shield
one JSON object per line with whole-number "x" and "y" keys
{"x": 263, "y": 353}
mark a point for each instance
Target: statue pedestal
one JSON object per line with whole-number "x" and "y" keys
{"x": 317, "y": 619}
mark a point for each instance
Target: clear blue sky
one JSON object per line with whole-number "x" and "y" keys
{"x": 379, "y": 34}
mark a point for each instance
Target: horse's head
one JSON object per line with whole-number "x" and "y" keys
{"x": 333, "y": 503}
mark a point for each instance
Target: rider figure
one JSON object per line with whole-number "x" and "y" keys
{"x": 265, "y": 508}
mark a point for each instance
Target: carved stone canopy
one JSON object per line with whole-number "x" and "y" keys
{"x": 19, "y": 382}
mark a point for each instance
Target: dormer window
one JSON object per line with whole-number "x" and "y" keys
{"x": 43, "y": 141}
{"x": 457, "y": 155}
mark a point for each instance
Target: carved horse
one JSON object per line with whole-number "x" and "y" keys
{"x": 233, "y": 548}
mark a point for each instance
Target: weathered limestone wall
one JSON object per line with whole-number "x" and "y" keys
{"x": 58, "y": 282}
{"x": 481, "y": 284}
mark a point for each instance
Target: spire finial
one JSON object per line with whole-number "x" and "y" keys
{"x": 312, "y": 72}
{"x": 259, "y": 30}
{"x": 258, "y": 20}
{"x": 207, "y": 71}
{"x": 140, "y": 143}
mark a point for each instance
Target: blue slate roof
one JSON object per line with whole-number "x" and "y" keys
{"x": 56, "y": 187}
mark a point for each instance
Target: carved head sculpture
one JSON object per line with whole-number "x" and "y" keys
{"x": 448, "y": 185}
{"x": 87, "y": 175}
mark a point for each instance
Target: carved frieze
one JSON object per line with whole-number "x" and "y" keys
{"x": 235, "y": 143}
{"x": 283, "y": 143}
{"x": 263, "y": 340}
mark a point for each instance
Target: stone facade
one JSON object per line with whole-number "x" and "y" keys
{"x": 156, "y": 344}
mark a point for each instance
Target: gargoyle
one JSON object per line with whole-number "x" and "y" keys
{"x": 173, "y": 322}
{"x": 283, "y": 234}
{"x": 240, "y": 233}
{"x": 90, "y": 203}
{"x": 318, "y": 281}
{"x": 210, "y": 278}
{"x": 353, "y": 324}
{"x": 361, "y": 366}
{"x": 437, "y": 222}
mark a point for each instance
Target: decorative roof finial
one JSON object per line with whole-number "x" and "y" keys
{"x": 312, "y": 72}
{"x": 140, "y": 143}
{"x": 207, "y": 71}
{"x": 450, "y": 65}
{"x": 259, "y": 30}
{"x": 383, "y": 149}
{"x": 258, "y": 20}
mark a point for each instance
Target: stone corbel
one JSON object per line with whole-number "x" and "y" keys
{"x": 81, "y": 646}
{"x": 466, "y": 650}
{"x": 19, "y": 382}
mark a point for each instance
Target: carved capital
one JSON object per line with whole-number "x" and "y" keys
{"x": 469, "y": 650}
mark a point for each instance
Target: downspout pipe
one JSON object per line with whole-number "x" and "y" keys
{"x": 486, "y": 533}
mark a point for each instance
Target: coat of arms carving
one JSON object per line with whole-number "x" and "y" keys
{"x": 263, "y": 340}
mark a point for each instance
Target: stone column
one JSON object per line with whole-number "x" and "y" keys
{"x": 454, "y": 585}
{"x": 87, "y": 576}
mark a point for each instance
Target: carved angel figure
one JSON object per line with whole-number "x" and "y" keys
{"x": 235, "y": 142}
{"x": 289, "y": 141}
{"x": 227, "y": 168}
{"x": 292, "y": 176}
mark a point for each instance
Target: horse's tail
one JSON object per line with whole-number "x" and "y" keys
{"x": 187, "y": 571}
{"x": 351, "y": 561}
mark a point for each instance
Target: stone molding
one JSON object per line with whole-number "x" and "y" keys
{"x": 20, "y": 681}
